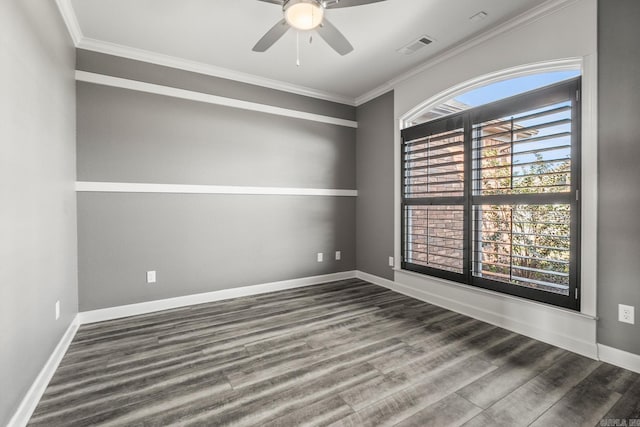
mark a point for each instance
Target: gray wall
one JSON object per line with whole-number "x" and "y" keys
{"x": 375, "y": 204}
{"x": 619, "y": 172}
{"x": 127, "y": 136}
{"x": 202, "y": 243}
{"x": 38, "y": 207}
{"x": 134, "y": 70}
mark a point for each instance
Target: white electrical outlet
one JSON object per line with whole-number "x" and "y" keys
{"x": 626, "y": 313}
{"x": 320, "y": 257}
{"x": 391, "y": 263}
{"x": 338, "y": 255}
{"x": 57, "y": 310}
{"x": 151, "y": 276}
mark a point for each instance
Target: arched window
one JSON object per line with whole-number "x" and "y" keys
{"x": 489, "y": 93}
{"x": 491, "y": 184}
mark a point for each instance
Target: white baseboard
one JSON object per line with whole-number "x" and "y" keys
{"x": 169, "y": 303}
{"x": 571, "y": 331}
{"x": 376, "y": 280}
{"x": 30, "y": 401}
{"x": 604, "y": 353}
{"x": 620, "y": 358}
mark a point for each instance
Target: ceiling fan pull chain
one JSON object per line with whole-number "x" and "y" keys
{"x": 297, "y": 48}
{"x": 306, "y": 15}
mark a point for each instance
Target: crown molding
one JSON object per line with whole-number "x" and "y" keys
{"x": 525, "y": 18}
{"x": 82, "y": 42}
{"x": 71, "y": 21}
{"x": 206, "y": 69}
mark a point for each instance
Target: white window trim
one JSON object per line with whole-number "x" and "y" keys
{"x": 589, "y": 152}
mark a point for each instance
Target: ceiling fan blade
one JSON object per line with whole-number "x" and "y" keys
{"x": 335, "y": 4}
{"x": 273, "y": 1}
{"x": 334, "y": 38}
{"x": 271, "y": 36}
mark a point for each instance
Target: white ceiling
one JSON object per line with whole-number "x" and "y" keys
{"x": 221, "y": 33}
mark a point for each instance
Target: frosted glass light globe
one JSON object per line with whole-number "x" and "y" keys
{"x": 303, "y": 14}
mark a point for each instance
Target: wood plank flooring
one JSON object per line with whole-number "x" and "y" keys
{"x": 346, "y": 353}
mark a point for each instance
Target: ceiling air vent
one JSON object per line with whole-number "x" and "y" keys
{"x": 415, "y": 45}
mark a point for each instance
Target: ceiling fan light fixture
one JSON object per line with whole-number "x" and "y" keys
{"x": 303, "y": 14}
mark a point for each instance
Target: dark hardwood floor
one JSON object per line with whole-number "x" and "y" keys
{"x": 346, "y": 353}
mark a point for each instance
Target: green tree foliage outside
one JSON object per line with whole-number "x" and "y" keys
{"x": 523, "y": 244}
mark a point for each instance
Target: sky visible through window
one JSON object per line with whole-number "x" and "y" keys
{"x": 553, "y": 150}
{"x": 507, "y": 88}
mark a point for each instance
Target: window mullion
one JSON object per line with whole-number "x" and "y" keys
{"x": 468, "y": 191}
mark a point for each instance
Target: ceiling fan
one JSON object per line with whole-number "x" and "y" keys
{"x": 306, "y": 15}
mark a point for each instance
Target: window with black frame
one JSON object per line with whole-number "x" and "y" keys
{"x": 490, "y": 195}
